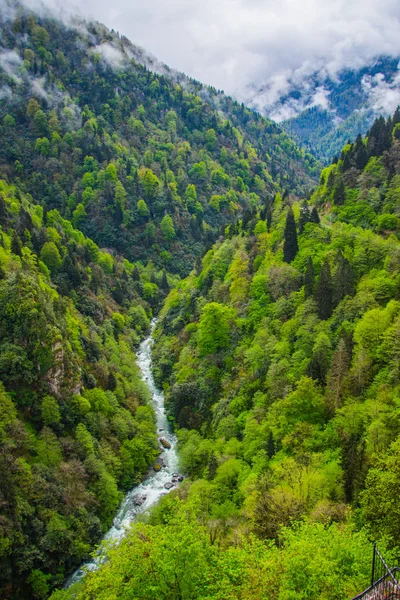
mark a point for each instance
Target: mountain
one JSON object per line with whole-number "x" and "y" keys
{"x": 113, "y": 180}
{"x": 278, "y": 357}
{"x": 137, "y": 162}
{"x": 277, "y": 351}
{"x": 321, "y": 112}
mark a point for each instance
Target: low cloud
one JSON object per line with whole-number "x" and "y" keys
{"x": 383, "y": 96}
{"x": 111, "y": 55}
{"x": 10, "y": 62}
{"x": 253, "y": 49}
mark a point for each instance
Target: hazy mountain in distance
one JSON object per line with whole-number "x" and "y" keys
{"x": 321, "y": 112}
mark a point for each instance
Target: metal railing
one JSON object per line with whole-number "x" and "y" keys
{"x": 385, "y": 582}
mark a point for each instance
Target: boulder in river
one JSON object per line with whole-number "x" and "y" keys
{"x": 164, "y": 442}
{"x": 157, "y": 467}
{"x": 169, "y": 485}
{"x": 139, "y": 499}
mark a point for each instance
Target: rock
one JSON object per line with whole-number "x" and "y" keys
{"x": 157, "y": 467}
{"x": 161, "y": 429}
{"x": 181, "y": 478}
{"x": 175, "y": 474}
{"x": 169, "y": 485}
{"x": 138, "y": 500}
{"x": 165, "y": 443}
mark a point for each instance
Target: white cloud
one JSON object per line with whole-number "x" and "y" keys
{"x": 384, "y": 96}
{"x": 10, "y": 62}
{"x": 234, "y": 44}
{"x": 112, "y": 56}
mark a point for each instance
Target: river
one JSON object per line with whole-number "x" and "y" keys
{"x": 140, "y": 498}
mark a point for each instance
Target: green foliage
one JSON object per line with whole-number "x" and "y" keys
{"x": 214, "y": 328}
{"x": 70, "y": 394}
{"x": 167, "y": 228}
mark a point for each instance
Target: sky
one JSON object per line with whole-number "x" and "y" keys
{"x": 241, "y": 46}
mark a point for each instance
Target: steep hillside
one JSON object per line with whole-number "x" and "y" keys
{"x": 137, "y": 162}
{"x": 75, "y": 428}
{"x": 322, "y": 112}
{"x": 279, "y": 360}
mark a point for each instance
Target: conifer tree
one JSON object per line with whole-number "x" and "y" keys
{"x": 343, "y": 280}
{"x": 314, "y": 217}
{"x": 324, "y": 292}
{"x": 360, "y": 153}
{"x": 164, "y": 282}
{"x": 290, "y": 246}
{"x": 112, "y": 381}
{"x": 339, "y": 193}
{"x": 331, "y": 180}
{"x": 3, "y": 212}
{"x": 135, "y": 274}
{"x": 305, "y": 216}
{"x": 16, "y": 244}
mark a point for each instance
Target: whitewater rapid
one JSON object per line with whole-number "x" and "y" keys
{"x": 143, "y": 496}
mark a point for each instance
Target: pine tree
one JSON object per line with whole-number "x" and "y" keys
{"x": 305, "y": 216}
{"x": 339, "y": 193}
{"x": 290, "y": 246}
{"x": 324, "y": 292}
{"x": 270, "y": 446}
{"x": 164, "y": 282}
{"x": 360, "y": 153}
{"x": 309, "y": 279}
{"x": 314, "y": 217}
{"x": 135, "y": 274}
{"x": 16, "y": 244}
{"x": 346, "y": 162}
{"x": 331, "y": 180}
{"x": 112, "y": 382}
{"x": 343, "y": 280}
{"x": 3, "y": 212}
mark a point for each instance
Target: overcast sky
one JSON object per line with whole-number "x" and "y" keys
{"x": 232, "y": 44}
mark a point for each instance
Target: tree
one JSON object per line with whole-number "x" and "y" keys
{"x": 167, "y": 228}
{"x": 84, "y": 439}
{"x": 50, "y": 411}
{"x": 324, "y": 292}
{"x": 214, "y": 328}
{"x": 16, "y": 244}
{"x": 343, "y": 280}
{"x": 314, "y": 217}
{"x": 211, "y": 140}
{"x": 143, "y": 209}
{"x": 305, "y": 216}
{"x": 380, "y": 499}
{"x": 50, "y": 255}
{"x": 290, "y": 245}
{"x": 339, "y": 193}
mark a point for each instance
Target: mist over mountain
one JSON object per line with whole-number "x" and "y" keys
{"x": 323, "y": 111}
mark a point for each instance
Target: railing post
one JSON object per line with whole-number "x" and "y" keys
{"x": 373, "y": 565}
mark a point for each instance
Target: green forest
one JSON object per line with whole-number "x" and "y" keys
{"x": 126, "y": 195}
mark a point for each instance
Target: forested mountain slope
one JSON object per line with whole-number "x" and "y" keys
{"x": 278, "y": 353}
{"x": 112, "y": 178}
{"x": 75, "y": 428}
{"x": 279, "y": 359}
{"x": 137, "y": 162}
